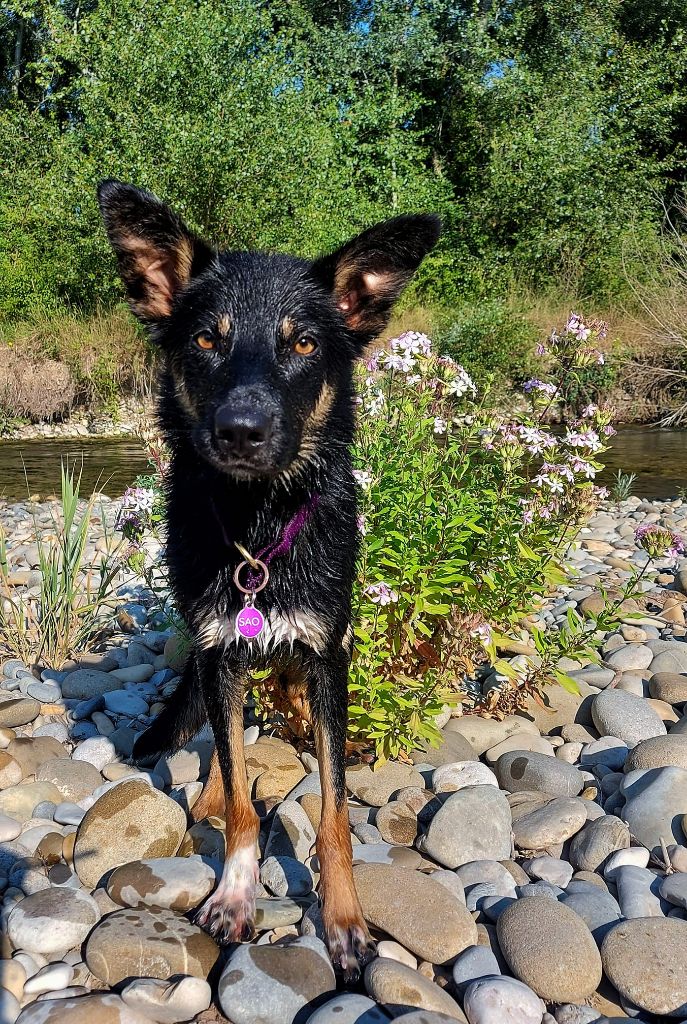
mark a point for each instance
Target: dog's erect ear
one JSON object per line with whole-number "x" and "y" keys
{"x": 367, "y": 275}
{"x": 156, "y": 252}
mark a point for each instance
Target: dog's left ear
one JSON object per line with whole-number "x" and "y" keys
{"x": 368, "y": 274}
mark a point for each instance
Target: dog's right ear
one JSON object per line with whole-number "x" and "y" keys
{"x": 156, "y": 252}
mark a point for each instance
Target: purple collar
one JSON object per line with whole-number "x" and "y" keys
{"x": 288, "y": 535}
{"x": 283, "y": 544}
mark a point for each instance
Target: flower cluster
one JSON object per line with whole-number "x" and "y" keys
{"x": 569, "y": 345}
{"x": 659, "y": 541}
{"x": 135, "y": 509}
{"x": 381, "y": 594}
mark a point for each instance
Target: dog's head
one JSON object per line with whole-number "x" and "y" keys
{"x": 259, "y": 347}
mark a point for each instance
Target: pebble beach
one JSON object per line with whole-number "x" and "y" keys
{"x": 528, "y": 870}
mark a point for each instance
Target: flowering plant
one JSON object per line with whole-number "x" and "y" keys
{"x": 464, "y": 515}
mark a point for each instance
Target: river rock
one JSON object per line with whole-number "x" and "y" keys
{"x": 550, "y": 948}
{"x": 473, "y": 824}
{"x": 130, "y": 821}
{"x": 449, "y": 778}
{"x": 397, "y": 823}
{"x": 74, "y": 779}
{"x": 674, "y": 889}
{"x": 630, "y": 718}
{"x": 495, "y": 1000}
{"x": 669, "y": 686}
{"x": 91, "y": 1009}
{"x": 377, "y": 787}
{"x": 18, "y": 711}
{"x": 638, "y": 892}
{"x": 148, "y": 944}
{"x": 655, "y": 800}
{"x": 277, "y": 912}
{"x": 10, "y": 771}
{"x": 401, "y": 988}
{"x": 521, "y": 741}
{"x": 518, "y": 770}
{"x": 483, "y": 733}
{"x": 281, "y": 980}
{"x": 452, "y": 748}
{"x": 349, "y": 1008}
{"x": 646, "y": 960}
{"x": 599, "y": 911}
{"x": 630, "y": 658}
{"x": 171, "y": 883}
{"x": 285, "y": 876}
{"x": 550, "y": 869}
{"x": 473, "y": 963}
{"x": 407, "y": 905}
{"x": 88, "y": 682}
{"x": 33, "y": 751}
{"x": 291, "y": 834}
{"x": 385, "y": 853}
{"x": 608, "y": 751}
{"x": 553, "y": 823}
{"x": 672, "y": 657}
{"x": 96, "y": 750}
{"x": 658, "y": 752}
{"x": 591, "y": 847}
{"x": 168, "y": 1002}
{"x": 52, "y": 920}
{"x": 19, "y": 801}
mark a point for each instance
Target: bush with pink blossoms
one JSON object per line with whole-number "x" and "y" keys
{"x": 465, "y": 514}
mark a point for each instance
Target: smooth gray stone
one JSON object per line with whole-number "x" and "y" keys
{"x": 598, "y": 910}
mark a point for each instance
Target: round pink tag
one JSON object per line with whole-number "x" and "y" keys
{"x": 250, "y": 622}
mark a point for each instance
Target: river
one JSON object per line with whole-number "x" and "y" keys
{"x": 658, "y": 457}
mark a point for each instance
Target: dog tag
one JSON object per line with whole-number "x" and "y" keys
{"x": 250, "y": 622}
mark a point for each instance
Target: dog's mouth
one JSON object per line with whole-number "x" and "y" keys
{"x": 263, "y": 465}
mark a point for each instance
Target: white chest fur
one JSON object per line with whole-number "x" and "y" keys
{"x": 279, "y": 629}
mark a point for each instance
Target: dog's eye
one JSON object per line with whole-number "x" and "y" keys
{"x": 205, "y": 342}
{"x": 304, "y": 346}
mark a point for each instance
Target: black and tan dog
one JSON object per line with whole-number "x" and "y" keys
{"x": 257, "y": 406}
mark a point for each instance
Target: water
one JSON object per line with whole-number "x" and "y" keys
{"x": 658, "y": 457}
{"x": 33, "y": 467}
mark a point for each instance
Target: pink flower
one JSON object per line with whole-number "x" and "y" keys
{"x": 381, "y": 593}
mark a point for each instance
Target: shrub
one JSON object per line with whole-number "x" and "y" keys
{"x": 465, "y": 516}
{"x": 492, "y": 340}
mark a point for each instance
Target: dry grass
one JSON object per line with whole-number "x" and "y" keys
{"x": 35, "y": 390}
{"x": 106, "y": 354}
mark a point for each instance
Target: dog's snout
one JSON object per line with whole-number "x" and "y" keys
{"x": 245, "y": 431}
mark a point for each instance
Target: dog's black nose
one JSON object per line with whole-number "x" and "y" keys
{"x": 243, "y": 430}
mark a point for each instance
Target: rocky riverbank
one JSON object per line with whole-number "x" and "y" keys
{"x": 528, "y": 870}
{"x": 131, "y": 417}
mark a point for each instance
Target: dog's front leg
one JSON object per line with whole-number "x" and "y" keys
{"x": 229, "y": 913}
{"x": 348, "y": 939}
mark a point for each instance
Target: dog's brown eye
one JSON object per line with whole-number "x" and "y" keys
{"x": 304, "y": 346}
{"x": 204, "y": 342}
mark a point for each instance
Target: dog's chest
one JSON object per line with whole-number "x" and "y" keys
{"x": 279, "y": 628}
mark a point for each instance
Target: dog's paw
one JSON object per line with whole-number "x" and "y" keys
{"x": 227, "y": 917}
{"x": 350, "y": 948}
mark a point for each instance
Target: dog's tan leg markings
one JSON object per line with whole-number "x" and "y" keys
{"x": 211, "y": 802}
{"x": 347, "y": 935}
{"x": 229, "y": 913}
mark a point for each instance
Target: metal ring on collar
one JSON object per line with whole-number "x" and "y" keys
{"x": 251, "y": 590}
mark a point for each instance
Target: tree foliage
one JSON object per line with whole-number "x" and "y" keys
{"x": 544, "y": 131}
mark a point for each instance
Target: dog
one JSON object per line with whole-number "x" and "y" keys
{"x": 256, "y": 402}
